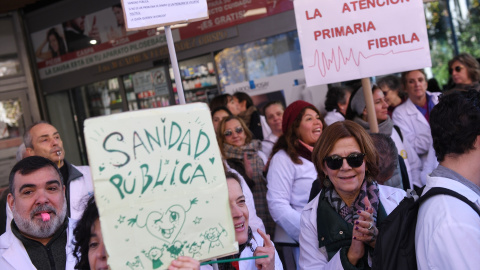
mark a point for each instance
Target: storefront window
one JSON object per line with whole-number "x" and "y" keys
{"x": 198, "y": 79}
{"x": 11, "y": 118}
{"x": 9, "y": 63}
{"x": 147, "y": 89}
{"x": 103, "y": 98}
{"x": 259, "y": 59}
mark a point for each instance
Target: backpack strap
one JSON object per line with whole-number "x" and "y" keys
{"x": 439, "y": 190}
{"x": 404, "y": 173}
{"x": 397, "y": 128}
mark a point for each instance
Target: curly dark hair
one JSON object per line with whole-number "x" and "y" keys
{"x": 219, "y": 101}
{"x": 83, "y": 232}
{"x": 393, "y": 83}
{"x": 336, "y": 95}
{"x": 61, "y": 45}
{"x": 455, "y": 123}
{"x": 242, "y": 96}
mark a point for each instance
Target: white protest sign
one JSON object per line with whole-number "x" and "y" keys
{"x": 345, "y": 40}
{"x": 140, "y": 14}
{"x": 159, "y": 186}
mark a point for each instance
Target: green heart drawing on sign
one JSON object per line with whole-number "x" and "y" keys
{"x": 165, "y": 225}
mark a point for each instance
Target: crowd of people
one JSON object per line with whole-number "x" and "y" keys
{"x": 307, "y": 189}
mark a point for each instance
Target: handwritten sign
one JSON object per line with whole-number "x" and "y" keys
{"x": 160, "y": 186}
{"x": 141, "y": 14}
{"x": 345, "y": 40}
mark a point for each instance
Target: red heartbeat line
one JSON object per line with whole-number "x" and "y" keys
{"x": 327, "y": 63}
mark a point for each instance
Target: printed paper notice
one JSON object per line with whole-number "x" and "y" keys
{"x": 346, "y": 40}
{"x": 141, "y": 14}
{"x": 160, "y": 186}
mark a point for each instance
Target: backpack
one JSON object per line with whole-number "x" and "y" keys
{"x": 395, "y": 246}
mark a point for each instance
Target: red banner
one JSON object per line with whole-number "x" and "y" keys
{"x": 227, "y": 13}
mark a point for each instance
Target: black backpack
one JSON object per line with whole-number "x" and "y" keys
{"x": 395, "y": 246}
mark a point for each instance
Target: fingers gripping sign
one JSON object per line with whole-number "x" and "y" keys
{"x": 267, "y": 249}
{"x": 184, "y": 263}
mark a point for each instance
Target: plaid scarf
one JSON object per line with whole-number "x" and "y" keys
{"x": 349, "y": 214}
{"x": 259, "y": 190}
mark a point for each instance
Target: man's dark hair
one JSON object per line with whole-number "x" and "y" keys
{"x": 29, "y": 165}
{"x": 83, "y": 233}
{"x": 455, "y": 123}
{"x": 388, "y": 156}
{"x": 241, "y": 96}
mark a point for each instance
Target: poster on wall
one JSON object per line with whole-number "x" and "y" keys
{"x": 224, "y": 14}
{"x": 157, "y": 176}
{"x": 153, "y": 79}
{"x": 141, "y": 14}
{"x": 346, "y": 40}
{"x": 101, "y": 36}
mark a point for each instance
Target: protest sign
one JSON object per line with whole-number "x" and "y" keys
{"x": 142, "y": 14}
{"x": 345, "y": 40}
{"x": 160, "y": 186}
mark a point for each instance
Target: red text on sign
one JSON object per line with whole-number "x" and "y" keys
{"x": 392, "y": 41}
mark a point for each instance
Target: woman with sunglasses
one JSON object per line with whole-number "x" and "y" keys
{"x": 413, "y": 119}
{"x": 357, "y": 112}
{"x": 464, "y": 71}
{"x": 339, "y": 227}
{"x": 243, "y": 154}
{"x": 291, "y": 173}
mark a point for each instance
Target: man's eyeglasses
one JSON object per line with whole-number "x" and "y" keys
{"x": 229, "y": 133}
{"x": 335, "y": 162}
{"x": 457, "y": 69}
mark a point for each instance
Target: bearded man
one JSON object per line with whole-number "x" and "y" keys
{"x": 41, "y": 234}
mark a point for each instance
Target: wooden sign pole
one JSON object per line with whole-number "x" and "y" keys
{"x": 372, "y": 116}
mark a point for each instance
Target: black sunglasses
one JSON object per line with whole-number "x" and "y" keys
{"x": 229, "y": 133}
{"x": 457, "y": 69}
{"x": 335, "y": 162}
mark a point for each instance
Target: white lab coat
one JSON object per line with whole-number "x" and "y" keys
{"x": 312, "y": 257}
{"x": 267, "y": 145}
{"x": 333, "y": 116}
{"x": 13, "y": 255}
{"x": 416, "y": 130}
{"x": 447, "y": 234}
{"x": 410, "y": 157}
{"x": 289, "y": 186}
{"x": 257, "y": 241}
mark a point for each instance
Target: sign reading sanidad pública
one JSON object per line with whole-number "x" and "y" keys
{"x": 157, "y": 176}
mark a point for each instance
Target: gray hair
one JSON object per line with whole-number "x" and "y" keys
{"x": 21, "y": 152}
{"x": 27, "y": 137}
